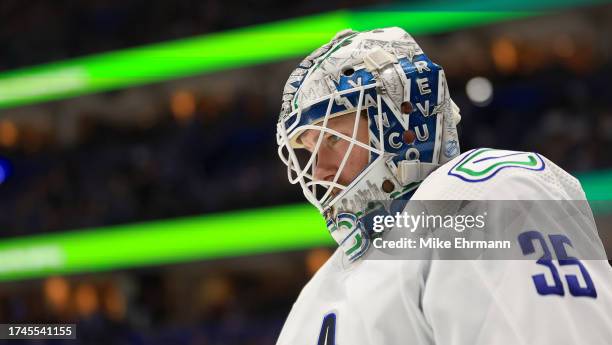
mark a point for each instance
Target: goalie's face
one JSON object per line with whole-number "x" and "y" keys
{"x": 324, "y": 151}
{"x": 333, "y": 148}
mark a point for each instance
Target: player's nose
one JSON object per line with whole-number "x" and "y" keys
{"x": 326, "y": 166}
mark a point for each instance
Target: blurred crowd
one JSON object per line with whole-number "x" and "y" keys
{"x": 567, "y": 118}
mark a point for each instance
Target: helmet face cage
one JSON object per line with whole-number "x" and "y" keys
{"x": 320, "y": 192}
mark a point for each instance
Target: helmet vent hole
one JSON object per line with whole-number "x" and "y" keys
{"x": 348, "y": 71}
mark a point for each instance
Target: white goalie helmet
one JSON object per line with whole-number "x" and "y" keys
{"x": 382, "y": 76}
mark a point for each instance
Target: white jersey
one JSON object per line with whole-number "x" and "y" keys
{"x": 467, "y": 302}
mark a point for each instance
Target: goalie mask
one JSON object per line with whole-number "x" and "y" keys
{"x": 401, "y": 118}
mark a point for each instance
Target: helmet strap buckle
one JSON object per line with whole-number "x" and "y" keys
{"x": 414, "y": 171}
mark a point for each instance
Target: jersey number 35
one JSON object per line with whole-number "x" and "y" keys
{"x": 527, "y": 241}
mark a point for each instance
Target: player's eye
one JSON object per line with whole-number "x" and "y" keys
{"x": 332, "y": 139}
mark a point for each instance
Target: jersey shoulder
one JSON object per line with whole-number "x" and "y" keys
{"x": 492, "y": 174}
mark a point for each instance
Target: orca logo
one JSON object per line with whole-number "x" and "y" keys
{"x": 482, "y": 164}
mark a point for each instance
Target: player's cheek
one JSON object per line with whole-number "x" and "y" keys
{"x": 358, "y": 159}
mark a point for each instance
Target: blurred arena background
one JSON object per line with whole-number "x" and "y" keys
{"x": 140, "y": 192}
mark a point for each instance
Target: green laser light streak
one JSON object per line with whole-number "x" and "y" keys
{"x": 215, "y": 52}
{"x": 275, "y": 229}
